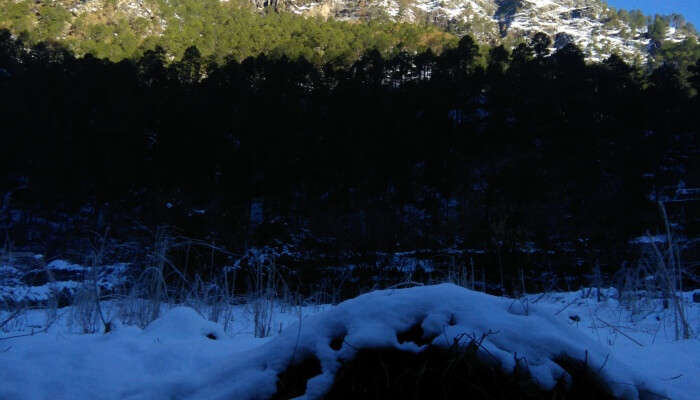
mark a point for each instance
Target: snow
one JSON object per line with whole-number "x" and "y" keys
{"x": 13, "y": 287}
{"x": 184, "y": 356}
{"x": 542, "y": 3}
{"x": 8, "y": 269}
{"x": 649, "y": 239}
{"x": 183, "y": 323}
{"x": 64, "y": 265}
{"x": 36, "y": 293}
{"x": 643, "y": 338}
{"x": 63, "y": 365}
{"x": 588, "y": 33}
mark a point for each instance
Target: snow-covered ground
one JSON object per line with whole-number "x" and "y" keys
{"x": 183, "y": 356}
{"x": 38, "y": 283}
{"x": 640, "y": 335}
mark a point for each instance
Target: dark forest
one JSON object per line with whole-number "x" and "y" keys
{"x": 529, "y": 160}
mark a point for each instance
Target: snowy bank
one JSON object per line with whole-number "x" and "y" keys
{"x": 376, "y": 320}
{"x": 183, "y": 356}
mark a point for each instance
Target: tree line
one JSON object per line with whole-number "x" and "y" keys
{"x": 521, "y": 152}
{"x": 237, "y": 29}
{"x": 218, "y": 29}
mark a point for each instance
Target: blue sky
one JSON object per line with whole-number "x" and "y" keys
{"x": 688, "y": 8}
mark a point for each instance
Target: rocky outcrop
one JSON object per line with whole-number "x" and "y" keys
{"x": 589, "y": 24}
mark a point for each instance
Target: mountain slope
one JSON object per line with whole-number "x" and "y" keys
{"x": 596, "y": 28}
{"x": 590, "y": 24}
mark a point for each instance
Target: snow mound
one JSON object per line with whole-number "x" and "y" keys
{"x": 183, "y": 323}
{"x": 407, "y": 320}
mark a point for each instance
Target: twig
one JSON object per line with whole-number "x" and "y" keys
{"x": 478, "y": 342}
{"x": 620, "y": 332}
{"x": 672, "y": 378}
{"x": 523, "y": 302}
{"x": 32, "y": 333}
{"x": 296, "y": 345}
{"x": 539, "y": 298}
{"x": 565, "y": 307}
{"x": 345, "y": 342}
{"x": 406, "y": 283}
{"x": 607, "y": 356}
{"x": 11, "y": 317}
{"x": 17, "y": 312}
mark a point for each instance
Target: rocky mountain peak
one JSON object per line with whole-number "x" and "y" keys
{"x": 590, "y": 24}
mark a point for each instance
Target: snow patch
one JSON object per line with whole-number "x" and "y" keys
{"x": 183, "y": 323}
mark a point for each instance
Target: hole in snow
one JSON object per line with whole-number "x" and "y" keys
{"x": 212, "y": 336}
{"x": 291, "y": 382}
{"x": 337, "y": 342}
{"x": 585, "y": 381}
{"x": 452, "y": 321}
{"x": 454, "y": 373}
{"x": 416, "y": 335}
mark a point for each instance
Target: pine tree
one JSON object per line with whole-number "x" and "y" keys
{"x": 694, "y": 78}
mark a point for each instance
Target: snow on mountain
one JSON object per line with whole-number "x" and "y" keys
{"x": 589, "y": 24}
{"x": 596, "y": 28}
